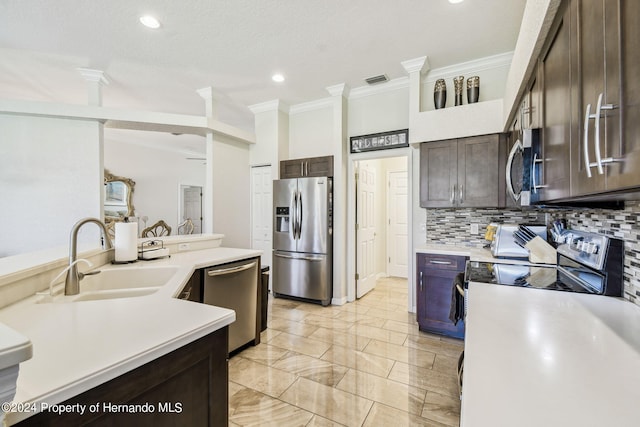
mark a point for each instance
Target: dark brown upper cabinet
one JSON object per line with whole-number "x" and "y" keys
{"x": 613, "y": 143}
{"x": 590, "y": 77}
{"x": 312, "y": 166}
{"x": 554, "y": 75}
{"x": 464, "y": 172}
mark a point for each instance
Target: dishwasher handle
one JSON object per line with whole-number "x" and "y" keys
{"x": 231, "y": 270}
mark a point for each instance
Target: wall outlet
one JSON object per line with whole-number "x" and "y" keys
{"x": 183, "y": 247}
{"x": 474, "y": 229}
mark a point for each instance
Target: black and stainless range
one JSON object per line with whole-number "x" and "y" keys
{"x": 587, "y": 263}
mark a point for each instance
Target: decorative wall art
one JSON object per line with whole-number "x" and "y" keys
{"x": 380, "y": 141}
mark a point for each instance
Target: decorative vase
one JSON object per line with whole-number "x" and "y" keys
{"x": 458, "y": 82}
{"x": 473, "y": 89}
{"x": 440, "y": 94}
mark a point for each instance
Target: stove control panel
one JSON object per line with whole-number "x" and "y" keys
{"x": 584, "y": 247}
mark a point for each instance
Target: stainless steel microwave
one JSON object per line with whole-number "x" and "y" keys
{"x": 524, "y": 171}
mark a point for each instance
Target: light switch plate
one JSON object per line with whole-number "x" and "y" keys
{"x": 474, "y": 229}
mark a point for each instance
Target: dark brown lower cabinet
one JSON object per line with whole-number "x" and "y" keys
{"x": 187, "y": 387}
{"x": 434, "y": 287}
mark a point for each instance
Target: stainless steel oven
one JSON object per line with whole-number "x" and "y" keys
{"x": 524, "y": 172}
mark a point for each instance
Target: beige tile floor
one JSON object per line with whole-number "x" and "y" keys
{"x": 360, "y": 364}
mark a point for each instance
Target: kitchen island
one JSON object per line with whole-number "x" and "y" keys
{"x": 78, "y": 346}
{"x": 548, "y": 358}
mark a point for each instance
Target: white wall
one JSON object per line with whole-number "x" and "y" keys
{"x": 50, "y": 177}
{"x": 157, "y": 174}
{"x": 380, "y": 112}
{"x": 231, "y": 192}
{"x": 311, "y": 133}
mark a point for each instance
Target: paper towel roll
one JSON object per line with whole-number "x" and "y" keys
{"x": 126, "y": 244}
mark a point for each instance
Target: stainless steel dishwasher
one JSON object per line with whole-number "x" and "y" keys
{"x": 235, "y": 286}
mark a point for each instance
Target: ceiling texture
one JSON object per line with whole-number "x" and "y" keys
{"x": 235, "y": 46}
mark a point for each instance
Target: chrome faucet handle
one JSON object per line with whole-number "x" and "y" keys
{"x": 66, "y": 269}
{"x": 88, "y": 273}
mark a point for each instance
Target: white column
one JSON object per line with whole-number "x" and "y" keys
{"x": 339, "y": 93}
{"x": 416, "y": 68}
{"x": 210, "y": 106}
{"x": 272, "y": 134}
{"x": 207, "y": 192}
{"x": 95, "y": 80}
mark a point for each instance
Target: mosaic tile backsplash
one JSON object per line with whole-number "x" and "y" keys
{"x": 452, "y": 226}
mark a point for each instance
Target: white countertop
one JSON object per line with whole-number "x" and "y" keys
{"x": 474, "y": 254}
{"x": 79, "y": 345}
{"x": 14, "y": 347}
{"x": 549, "y": 358}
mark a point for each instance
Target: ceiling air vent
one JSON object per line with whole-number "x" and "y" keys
{"x": 377, "y": 79}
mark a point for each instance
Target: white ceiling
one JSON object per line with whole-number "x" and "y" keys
{"x": 235, "y": 46}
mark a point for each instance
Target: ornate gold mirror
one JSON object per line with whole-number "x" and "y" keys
{"x": 118, "y": 196}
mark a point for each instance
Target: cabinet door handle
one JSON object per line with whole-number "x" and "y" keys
{"x": 421, "y": 281}
{"x": 585, "y": 147}
{"x": 461, "y": 195}
{"x": 599, "y": 159}
{"x": 435, "y": 261}
{"x": 453, "y": 194}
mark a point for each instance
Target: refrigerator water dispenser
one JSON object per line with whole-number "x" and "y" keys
{"x": 282, "y": 219}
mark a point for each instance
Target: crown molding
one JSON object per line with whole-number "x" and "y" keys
{"x": 390, "y": 86}
{"x": 318, "y": 104}
{"x": 465, "y": 68}
{"x": 93, "y": 76}
{"x": 400, "y": 83}
{"x": 418, "y": 64}
{"x": 341, "y": 89}
{"x": 273, "y": 105}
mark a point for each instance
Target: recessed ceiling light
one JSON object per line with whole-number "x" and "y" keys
{"x": 455, "y": 1}
{"x": 150, "y": 22}
{"x": 279, "y": 78}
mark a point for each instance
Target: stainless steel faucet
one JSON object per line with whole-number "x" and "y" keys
{"x": 72, "y": 282}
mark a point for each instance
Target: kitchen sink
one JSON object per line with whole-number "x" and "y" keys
{"x": 127, "y": 278}
{"x": 113, "y": 294}
{"x": 115, "y": 283}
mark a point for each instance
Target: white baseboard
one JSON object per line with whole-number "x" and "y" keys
{"x": 339, "y": 301}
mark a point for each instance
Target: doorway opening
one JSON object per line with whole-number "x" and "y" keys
{"x": 381, "y": 217}
{"x": 191, "y": 206}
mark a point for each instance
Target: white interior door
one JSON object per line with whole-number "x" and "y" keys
{"x": 365, "y": 229}
{"x": 397, "y": 225}
{"x": 261, "y": 212}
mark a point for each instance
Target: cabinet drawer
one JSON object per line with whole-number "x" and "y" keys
{"x": 441, "y": 262}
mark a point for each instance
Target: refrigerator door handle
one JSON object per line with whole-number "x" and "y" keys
{"x": 293, "y": 214}
{"x": 299, "y": 213}
{"x": 304, "y": 258}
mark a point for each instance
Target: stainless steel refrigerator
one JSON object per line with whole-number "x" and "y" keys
{"x": 302, "y": 239}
